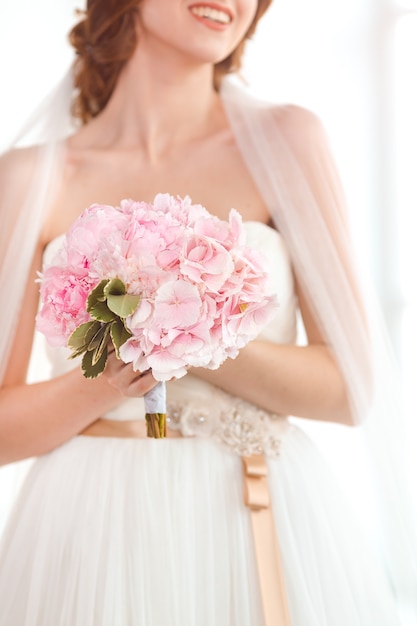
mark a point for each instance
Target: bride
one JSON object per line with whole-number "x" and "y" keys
{"x": 111, "y": 527}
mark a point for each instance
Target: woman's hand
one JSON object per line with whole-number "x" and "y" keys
{"x": 121, "y": 375}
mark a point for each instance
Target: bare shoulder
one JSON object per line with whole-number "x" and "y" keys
{"x": 294, "y": 114}
{"x": 18, "y": 170}
{"x": 17, "y": 166}
{"x": 298, "y": 123}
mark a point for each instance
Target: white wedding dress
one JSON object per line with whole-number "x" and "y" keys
{"x": 141, "y": 532}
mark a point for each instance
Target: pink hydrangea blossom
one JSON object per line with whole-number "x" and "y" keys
{"x": 203, "y": 291}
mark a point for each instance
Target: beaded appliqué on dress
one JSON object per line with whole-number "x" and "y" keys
{"x": 192, "y": 422}
{"x": 240, "y": 426}
{"x": 247, "y": 430}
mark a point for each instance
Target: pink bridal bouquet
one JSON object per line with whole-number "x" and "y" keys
{"x": 167, "y": 283}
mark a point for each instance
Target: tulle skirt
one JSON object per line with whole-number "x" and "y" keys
{"x": 137, "y": 532}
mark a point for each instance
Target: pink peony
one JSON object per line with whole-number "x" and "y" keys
{"x": 64, "y": 293}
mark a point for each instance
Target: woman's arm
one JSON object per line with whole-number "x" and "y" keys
{"x": 296, "y": 171}
{"x": 36, "y": 418}
{"x": 289, "y": 380}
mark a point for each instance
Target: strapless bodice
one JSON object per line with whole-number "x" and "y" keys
{"x": 223, "y": 416}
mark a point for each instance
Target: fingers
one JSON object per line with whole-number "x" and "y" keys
{"x": 125, "y": 379}
{"x": 140, "y": 385}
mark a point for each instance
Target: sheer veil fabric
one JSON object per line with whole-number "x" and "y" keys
{"x": 24, "y": 207}
{"x": 287, "y": 155}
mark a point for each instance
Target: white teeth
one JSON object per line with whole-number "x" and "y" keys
{"x": 212, "y": 14}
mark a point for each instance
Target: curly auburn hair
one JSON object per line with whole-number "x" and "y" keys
{"x": 105, "y": 39}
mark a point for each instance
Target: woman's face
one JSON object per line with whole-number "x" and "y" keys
{"x": 204, "y": 31}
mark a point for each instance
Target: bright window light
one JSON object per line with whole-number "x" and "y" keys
{"x": 406, "y": 150}
{"x": 405, "y": 95}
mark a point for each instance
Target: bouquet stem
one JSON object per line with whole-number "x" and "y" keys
{"x": 156, "y": 426}
{"x": 155, "y": 407}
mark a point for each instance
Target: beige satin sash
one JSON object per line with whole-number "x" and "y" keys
{"x": 271, "y": 578}
{"x": 256, "y": 497}
{"x": 121, "y": 428}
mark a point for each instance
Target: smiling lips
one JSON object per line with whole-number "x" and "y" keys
{"x": 212, "y": 15}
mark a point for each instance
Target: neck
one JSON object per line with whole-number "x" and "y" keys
{"x": 159, "y": 104}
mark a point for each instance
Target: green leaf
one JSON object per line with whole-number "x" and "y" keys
{"x": 115, "y": 287}
{"x": 97, "y": 337}
{"x": 102, "y": 345}
{"x": 97, "y": 295}
{"x": 123, "y": 305}
{"x": 90, "y": 370}
{"x": 97, "y": 305}
{"x": 101, "y": 312}
{"x": 119, "y": 334}
{"x": 118, "y": 301}
{"x": 81, "y": 337}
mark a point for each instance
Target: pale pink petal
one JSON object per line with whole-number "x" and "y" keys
{"x": 166, "y": 366}
{"x": 177, "y": 303}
